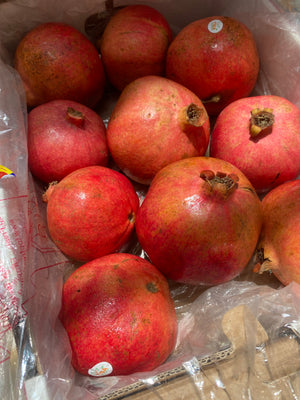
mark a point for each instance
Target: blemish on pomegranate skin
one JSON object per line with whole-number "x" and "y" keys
{"x": 151, "y": 287}
{"x": 133, "y": 319}
{"x": 249, "y": 189}
{"x": 275, "y": 179}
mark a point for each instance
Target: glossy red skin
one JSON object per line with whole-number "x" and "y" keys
{"x": 134, "y": 44}
{"x": 272, "y": 158}
{"x": 57, "y": 147}
{"x": 144, "y": 132}
{"x": 280, "y": 234}
{"x": 194, "y": 237}
{"x": 225, "y": 63}
{"x": 91, "y": 212}
{"x": 111, "y": 315}
{"x": 50, "y": 62}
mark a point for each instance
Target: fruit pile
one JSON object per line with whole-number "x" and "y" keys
{"x": 218, "y": 167}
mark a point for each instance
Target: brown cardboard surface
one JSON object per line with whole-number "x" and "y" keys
{"x": 276, "y": 368}
{"x": 273, "y": 367}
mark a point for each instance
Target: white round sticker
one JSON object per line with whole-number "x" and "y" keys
{"x": 101, "y": 369}
{"x": 215, "y": 26}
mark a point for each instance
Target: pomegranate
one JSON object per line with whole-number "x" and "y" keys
{"x": 63, "y": 136}
{"x": 200, "y": 221}
{"x": 119, "y": 315}
{"x": 156, "y": 121}
{"x": 217, "y": 58}
{"x": 50, "y": 62}
{"x": 134, "y": 44}
{"x": 260, "y": 135}
{"x": 278, "y": 249}
{"x": 91, "y": 212}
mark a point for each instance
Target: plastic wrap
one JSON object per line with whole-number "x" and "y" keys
{"x": 237, "y": 340}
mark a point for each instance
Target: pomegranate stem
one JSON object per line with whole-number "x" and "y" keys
{"x": 75, "y": 117}
{"x": 213, "y": 99}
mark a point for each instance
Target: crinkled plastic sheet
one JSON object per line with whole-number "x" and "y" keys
{"x": 34, "y": 349}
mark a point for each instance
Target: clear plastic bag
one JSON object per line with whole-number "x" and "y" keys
{"x": 34, "y": 348}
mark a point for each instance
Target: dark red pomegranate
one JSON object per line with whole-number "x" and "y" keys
{"x": 91, "y": 212}
{"x": 200, "y": 221}
{"x": 56, "y": 61}
{"x": 215, "y": 57}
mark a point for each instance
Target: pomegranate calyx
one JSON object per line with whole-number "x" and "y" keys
{"x": 75, "y": 117}
{"x": 220, "y": 183}
{"x": 262, "y": 264}
{"x": 46, "y": 195}
{"x": 193, "y": 116}
{"x": 261, "y": 119}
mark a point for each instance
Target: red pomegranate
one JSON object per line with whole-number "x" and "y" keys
{"x": 63, "y": 136}
{"x": 134, "y": 44}
{"x": 200, "y": 221}
{"x": 119, "y": 315}
{"x": 217, "y": 58}
{"x": 278, "y": 249}
{"x": 91, "y": 212}
{"x": 156, "y": 121}
{"x": 51, "y": 64}
{"x": 260, "y": 135}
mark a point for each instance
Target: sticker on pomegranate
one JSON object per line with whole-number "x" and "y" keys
{"x": 5, "y": 172}
{"x": 101, "y": 369}
{"x": 215, "y": 26}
